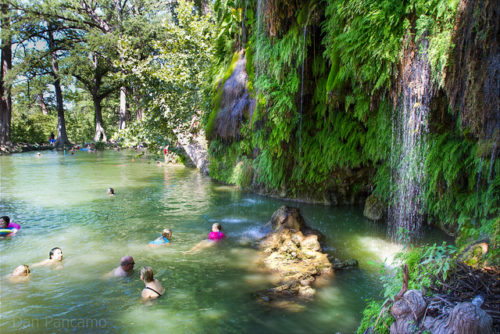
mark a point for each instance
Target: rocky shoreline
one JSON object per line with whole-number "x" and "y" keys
{"x": 24, "y": 147}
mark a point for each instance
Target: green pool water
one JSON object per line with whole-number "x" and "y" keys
{"x": 60, "y": 200}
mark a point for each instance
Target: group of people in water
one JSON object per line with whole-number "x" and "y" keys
{"x": 153, "y": 288}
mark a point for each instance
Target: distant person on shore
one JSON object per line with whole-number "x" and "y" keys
{"x": 165, "y": 154}
{"x": 55, "y": 259}
{"x": 153, "y": 288}
{"x": 213, "y": 237}
{"x": 125, "y": 269}
{"x": 52, "y": 138}
{"x": 20, "y": 274}
{"x": 6, "y": 224}
{"x": 166, "y": 236}
{"x": 111, "y": 191}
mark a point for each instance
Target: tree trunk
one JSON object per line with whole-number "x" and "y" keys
{"x": 123, "y": 107}
{"x": 5, "y": 96}
{"x": 62, "y": 137}
{"x": 100, "y": 134}
{"x": 43, "y": 105}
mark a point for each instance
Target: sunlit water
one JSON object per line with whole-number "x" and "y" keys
{"x": 60, "y": 200}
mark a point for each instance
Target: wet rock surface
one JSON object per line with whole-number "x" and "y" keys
{"x": 374, "y": 208}
{"x": 292, "y": 252}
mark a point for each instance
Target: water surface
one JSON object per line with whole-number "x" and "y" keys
{"x": 60, "y": 200}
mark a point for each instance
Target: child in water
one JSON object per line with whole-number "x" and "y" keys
{"x": 5, "y": 224}
{"x": 20, "y": 274}
{"x": 166, "y": 236}
{"x": 213, "y": 237}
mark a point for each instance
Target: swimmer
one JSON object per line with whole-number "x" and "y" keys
{"x": 55, "y": 259}
{"x": 125, "y": 269}
{"x": 153, "y": 287}
{"x": 39, "y": 155}
{"x": 20, "y": 274}
{"x": 213, "y": 237}
{"x": 111, "y": 191}
{"x": 5, "y": 223}
{"x": 166, "y": 236}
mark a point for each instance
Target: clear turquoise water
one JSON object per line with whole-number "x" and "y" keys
{"x": 60, "y": 200}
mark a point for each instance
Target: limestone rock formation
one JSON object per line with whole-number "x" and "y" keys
{"x": 293, "y": 252}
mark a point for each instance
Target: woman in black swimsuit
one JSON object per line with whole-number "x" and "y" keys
{"x": 153, "y": 287}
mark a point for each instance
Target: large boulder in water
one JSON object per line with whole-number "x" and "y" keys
{"x": 293, "y": 252}
{"x": 374, "y": 208}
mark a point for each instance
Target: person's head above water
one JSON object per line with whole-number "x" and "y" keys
{"x": 4, "y": 222}
{"x": 56, "y": 254}
{"x": 127, "y": 263}
{"x": 147, "y": 274}
{"x": 111, "y": 191}
{"x": 167, "y": 233}
{"x": 216, "y": 227}
{"x": 22, "y": 270}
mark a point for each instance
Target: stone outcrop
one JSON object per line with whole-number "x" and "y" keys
{"x": 374, "y": 208}
{"x": 412, "y": 316}
{"x": 293, "y": 252}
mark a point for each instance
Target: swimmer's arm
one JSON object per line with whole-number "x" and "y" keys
{"x": 41, "y": 263}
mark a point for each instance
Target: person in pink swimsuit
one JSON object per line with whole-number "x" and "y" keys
{"x": 216, "y": 234}
{"x": 213, "y": 237}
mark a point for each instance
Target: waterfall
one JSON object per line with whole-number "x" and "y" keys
{"x": 409, "y": 147}
{"x": 302, "y": 100}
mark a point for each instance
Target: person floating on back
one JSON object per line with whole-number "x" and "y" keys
{"x": 166, "y": 236}
{"x": 153, "y": 287}
{"x": 55, "y": 259}
{"x": 8, "y": 228}
{"x": 213, "y": 237}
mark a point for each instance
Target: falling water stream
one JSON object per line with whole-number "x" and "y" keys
{"x": 410, "y": 129}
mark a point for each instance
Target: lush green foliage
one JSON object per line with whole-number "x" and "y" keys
{"x": 32, "y": 128}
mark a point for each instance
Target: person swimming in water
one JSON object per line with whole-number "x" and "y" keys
{"x": 166, "y": 236}
{"x": 55, "y": 259}
{"x": 20, "y": 274}
{"x": 153, "y": 289}
{"x": 111, "y": 191}
{"x": 125, "y": 269}
{"x": 214, "y": 236}
{"x": 6, "y": 224}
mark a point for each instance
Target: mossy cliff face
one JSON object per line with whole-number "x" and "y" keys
{"x": 325, "y": 79}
